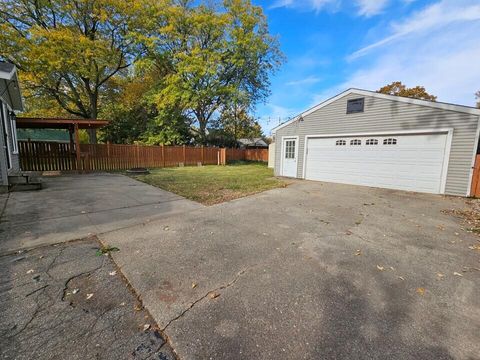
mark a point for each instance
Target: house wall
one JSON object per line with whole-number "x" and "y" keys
{"x": 271, "y": 155}
{"x": 390, "y": 116}
{"x": 15, "y": 159}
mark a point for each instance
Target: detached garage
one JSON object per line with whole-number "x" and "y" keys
{"x": 365, "y": 138}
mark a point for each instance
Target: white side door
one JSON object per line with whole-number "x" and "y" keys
{"x": 289, "y": 156}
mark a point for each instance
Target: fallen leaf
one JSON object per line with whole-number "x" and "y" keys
{"x": 214, "y": 295}
{"x": 392, "y": 268}
{"x": 440, "y": 275}
{"x": 381, "y": 268}
{"x": 457, "y": 274}
{"x": 146, "y": 327}
{"x": 194, "y": 285}
{"x": 348, "y": 232}
{"x": 89, "y": 296}
{"x": 166, "y": 228}
{"x": 359, "y": 252}
{"x": 401, "y": 278}
{"x": 138, "y": 307}
{"x": 74, "y": 291}
{"x": 474, "y": 247}
{"x": 30, "y": 271}
{"x": 113, "y": 273}
{"x": 122, "y": 304}
{"x": 421, "y": 291}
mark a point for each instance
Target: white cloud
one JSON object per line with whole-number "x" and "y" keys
{"x": 371, "y": 7}
{"x": 441, "y": 54}
{"x": 432, "y": 17}
{"x": 306, "y": 81}
{"x": 315, "y": 5}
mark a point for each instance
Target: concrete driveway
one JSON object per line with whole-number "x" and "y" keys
{"x": 312, "y": 271}
{"x": 76, "y": 206}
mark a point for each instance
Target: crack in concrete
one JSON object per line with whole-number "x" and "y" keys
{"x": 89, "y": 272}
{"x": 192, "y": 305}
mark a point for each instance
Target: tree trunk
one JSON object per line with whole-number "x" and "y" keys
{"x": 92, "y": 136}
{"x": 92, "y": 133}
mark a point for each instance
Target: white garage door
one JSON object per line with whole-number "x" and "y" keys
{"x": 404, "y": 162}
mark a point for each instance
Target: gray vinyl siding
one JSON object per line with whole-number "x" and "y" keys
{"x": 15, "y": 159}
{"x": 389, "y": 116}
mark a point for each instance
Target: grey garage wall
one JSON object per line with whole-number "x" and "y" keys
{"x": 389, "y": 116}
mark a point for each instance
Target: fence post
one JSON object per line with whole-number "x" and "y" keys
{"x": 163, "y": 155}
{"x": 184, "y": 156}
{"x": 222, "y": 156}
{"x": 137, "y": 153}
{"x": 203, "y": 156}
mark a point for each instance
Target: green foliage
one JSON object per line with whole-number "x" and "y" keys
{"x": 194, "y": 62}
{"x": 397, "y": 88}
{"x": 213, "y": 55}
{"x": 67, "y": 50}
{"x": 237, "y": 123}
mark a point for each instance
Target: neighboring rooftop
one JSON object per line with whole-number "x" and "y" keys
{"x": 254, "y": 142}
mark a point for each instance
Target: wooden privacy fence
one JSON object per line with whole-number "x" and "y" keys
{"x": 52, "y": 156}
{"x": 475, "y": 189}
{"x": 247, "y": 154}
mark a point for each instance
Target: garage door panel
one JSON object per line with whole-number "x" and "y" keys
{"x": 414, "y": 162}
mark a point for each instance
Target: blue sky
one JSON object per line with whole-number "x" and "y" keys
{"x": 332, "y": 45}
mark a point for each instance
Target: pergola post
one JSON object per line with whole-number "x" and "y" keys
{"x": 77, "y": 146}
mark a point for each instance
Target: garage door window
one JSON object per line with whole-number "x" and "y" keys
{"x": 371, "y": 142}
{"x": 290, "y": 149}
{"x": 340, "y": 143}
{"x": 355, "y": 142}
{"x": 390, "y": 141}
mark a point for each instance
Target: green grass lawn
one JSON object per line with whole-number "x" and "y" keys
{"x": 214, "y": 184}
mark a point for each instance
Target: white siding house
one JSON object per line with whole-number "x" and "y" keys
{"x": 10, "y": 101}
{"x": 361, "y": 137}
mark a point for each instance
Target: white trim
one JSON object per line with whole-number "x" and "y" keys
{"x": 6, "y": 132}
{"x": 437, "y": 105}
{"x": 474, "y": 157}
{"x": 446, "y": 158}
{"x": 446, "y": 161}
{"x": 282, "y": 151}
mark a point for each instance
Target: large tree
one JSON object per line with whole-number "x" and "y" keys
{"x": 398, "y": 89}
{"x": 68, "y": 50}
{"x": 213, "y": 55}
